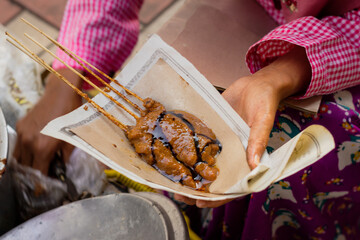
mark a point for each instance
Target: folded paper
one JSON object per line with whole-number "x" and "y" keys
{"x": 161, "y": 73}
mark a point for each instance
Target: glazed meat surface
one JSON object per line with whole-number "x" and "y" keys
{"x": 176, "y": 143}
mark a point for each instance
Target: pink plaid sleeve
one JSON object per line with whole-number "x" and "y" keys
{"x": 102, "y": 32}
{"x": 269, "y": 7}
{"x": 332, "y": 45}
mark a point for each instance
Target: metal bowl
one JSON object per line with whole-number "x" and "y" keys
{"x": 3, "y": 141}
{"x": 8, "y": 214}
{"x": 115, "y": 216}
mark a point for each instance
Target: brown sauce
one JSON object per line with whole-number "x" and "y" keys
{"x": 178, "y": 144}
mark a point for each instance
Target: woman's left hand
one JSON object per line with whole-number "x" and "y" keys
{"x": 201, "y": 203}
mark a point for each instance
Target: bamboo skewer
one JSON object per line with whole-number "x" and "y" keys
{"x": 90, "y": 71}
{"x": 83, "y": 77}
{"x": 39, "y": 60}
{"x": 77, "y": 58}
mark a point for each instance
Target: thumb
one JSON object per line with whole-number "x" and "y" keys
{"x": 259, "y": 137}
{"x": 66, "y": 150}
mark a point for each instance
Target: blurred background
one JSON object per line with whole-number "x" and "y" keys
{"x": 47, "y": 15}
{"x": 20, "y": 82}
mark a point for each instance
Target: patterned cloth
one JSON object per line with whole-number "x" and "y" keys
{"x": 102, "y": 32}
{"x": 332, "y": 45}
{"x": 322, "y": 201}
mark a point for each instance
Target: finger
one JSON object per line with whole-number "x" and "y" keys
{"x": 25, "y": 151}
{"x": 17, "y": 149}
{"x": 44, "y": 152}
{"x": 232, "y": 93}
{"x": 181, "y": 198}
{"x": 42, "y": 162}
{"x": 258, "y": 139}
{"x": 211, "y": 204}
{"x": 66, "y": 150}
{"x": 26, "y": 157}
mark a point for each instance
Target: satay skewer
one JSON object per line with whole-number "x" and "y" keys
{"x": 39, "y": 60}
{"x": 162, "y": 147}
{"x": 82, "y": 77}
{"x": 77, "y": 58}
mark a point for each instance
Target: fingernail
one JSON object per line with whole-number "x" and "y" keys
{"x": 257, "y": 159}
{"x": 200, "y": 204}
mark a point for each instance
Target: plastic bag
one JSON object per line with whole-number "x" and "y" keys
{"x": 36, "y": 193}
{"x": 86, "y": 173}
{"x": 20, "y": 82}
{"x": 21, "y": 88}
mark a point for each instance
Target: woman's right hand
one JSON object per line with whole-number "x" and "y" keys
{"x": 33, "y": 148}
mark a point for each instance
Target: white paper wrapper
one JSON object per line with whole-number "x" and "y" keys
{"x": 161, "y": 73}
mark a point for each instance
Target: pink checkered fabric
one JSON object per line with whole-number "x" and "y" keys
{"x": 105, "y": 32}
{"x": 102, "y": 32}
{"x": 269, "y": 7}
{"x": 332, "y": 45}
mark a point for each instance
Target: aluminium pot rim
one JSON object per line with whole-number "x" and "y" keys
{"x": 3, "y": 140}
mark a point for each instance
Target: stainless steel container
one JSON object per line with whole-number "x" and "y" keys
{"x": 3, "y": 138}
{"x": 8, "y": 209}
{"x": 115, "y": 216}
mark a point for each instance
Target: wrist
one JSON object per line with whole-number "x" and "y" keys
{"x": 289, "y": 74}
{"x": 55, "y": 86}
{"x": 278, "y": 81}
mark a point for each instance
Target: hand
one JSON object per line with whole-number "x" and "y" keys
{"x": 256, "y": 97}
{"x": 201, "y": 203}
{"x": 256, "y": 101}
{"x": 33, "y": 148}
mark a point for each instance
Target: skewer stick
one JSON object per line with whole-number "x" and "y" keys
{"x": 78, "y": 91}
{"x": 104, "y": 82}
{"x": 28, "y": 54}
{"x": 83, "y": 77}
{"x": 92, "y": 73}
{"x": 74, "y": 56}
